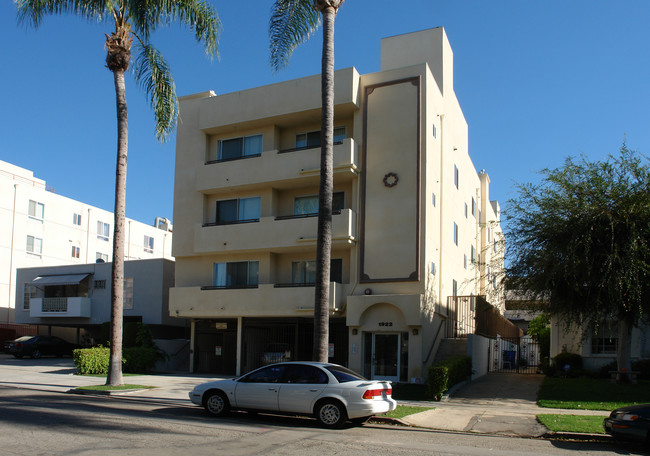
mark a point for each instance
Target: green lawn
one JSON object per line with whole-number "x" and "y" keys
{"x": 573, "y": 423}
{"x": 405, "y": 410}
{"x": 113, "y": 388}
{"x": 591, "y": 394}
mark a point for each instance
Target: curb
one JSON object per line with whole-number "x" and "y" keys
{"x": 577, "y": 436}
{"x": 123, "y": 392}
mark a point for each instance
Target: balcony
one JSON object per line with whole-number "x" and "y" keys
{"x": 264, "y": 301}
{"x": 278, "y": 169}
{"x": 270, "y": 233}
{"x": 60, "y": 307}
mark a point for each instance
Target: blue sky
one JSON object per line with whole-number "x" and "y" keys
{"x": 537, "y": 82}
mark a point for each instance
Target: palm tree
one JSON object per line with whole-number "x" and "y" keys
{"x": 132, "y": 19}
{"x": 292, "y": 22}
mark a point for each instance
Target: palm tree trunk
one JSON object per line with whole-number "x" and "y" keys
{"x": 114, "y": 377}
{"x": 324, "y": 241}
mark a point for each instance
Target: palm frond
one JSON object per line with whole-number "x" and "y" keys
{"x": 153, "y": 75}
{"x": 292, "y": 23}
{"x": 31, "y": 12}
{"x": 198, "y": 15}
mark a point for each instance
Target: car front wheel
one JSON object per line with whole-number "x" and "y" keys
{"x": 331, "y": 414}
{"x": 216, "y": 403}
{"x": 36, "y": 354}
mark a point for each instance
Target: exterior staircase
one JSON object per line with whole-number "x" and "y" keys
{"x": 450, "y": 348}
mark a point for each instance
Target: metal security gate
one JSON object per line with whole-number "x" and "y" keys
{"x": 519, "y": 355}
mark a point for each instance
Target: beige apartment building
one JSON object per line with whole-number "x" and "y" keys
{"x": 413, "y": 225}
{"x": 39, "y": 227}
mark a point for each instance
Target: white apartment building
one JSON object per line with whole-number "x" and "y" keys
{"x": 413, "y": 225}
{"x": 40, "y": 228}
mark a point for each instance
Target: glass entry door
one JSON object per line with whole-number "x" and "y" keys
{"x": 385, "y": 356}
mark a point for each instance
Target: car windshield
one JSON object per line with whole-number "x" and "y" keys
{"x": 344, "y": 374}
{"x": 24, "y": 338}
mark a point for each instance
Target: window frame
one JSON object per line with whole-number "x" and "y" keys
{"x": 242, "y": 152}
{"x": 148, "y": 243}
{"x": 35, "y": 241}
{"x": 252, "y": 275}
{"x": 76, "y": 251}
{"x": 76, "y": 219}
{"x": 103, "y": 230}
{"x": 36, "y": 210}
{"x": 238, "y": 211}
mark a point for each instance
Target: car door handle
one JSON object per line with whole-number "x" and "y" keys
{"x": 313, "y": 390}
{"x": 271, "y": 389}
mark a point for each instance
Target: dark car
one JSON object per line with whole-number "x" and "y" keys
{"x": 37, "y": 346}
{"x": 632, "y": 422}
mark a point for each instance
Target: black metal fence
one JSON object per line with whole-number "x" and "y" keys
{"x": 519, "y": 355}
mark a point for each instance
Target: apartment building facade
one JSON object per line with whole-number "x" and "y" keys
{"x": 41, "y": 228}
{"x": 412, "y": 224}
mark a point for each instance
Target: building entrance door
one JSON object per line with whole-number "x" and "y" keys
{"x": 385, "y": 356}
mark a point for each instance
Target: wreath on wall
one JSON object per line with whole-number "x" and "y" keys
{"x": 390, "y": 180}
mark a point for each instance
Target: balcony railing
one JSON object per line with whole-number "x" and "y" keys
{"x": 60, "y": 307}
{"x": 232, "y": 222}
{"x": 296, "y": 149}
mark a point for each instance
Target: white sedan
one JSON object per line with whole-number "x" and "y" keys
{"x": 331, "y": 393}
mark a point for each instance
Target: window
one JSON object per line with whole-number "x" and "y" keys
{"x": 148, "y": 244}
{"x": 312, "y": 139}
{"x": 304, "y": 272}
{"x": 473, "y": 207}
{"x": 473, "y": 255}
{"x": 34, "y": 245}
{"x": 489, "y": 234}
{"x": 29, "y": 293}
{"x": 100, "y": 284}
{"x": 36, "y": 210}
{"x": 456, "y": 176}
{"x": 103, "y": 230}
{"x": 75, "y": 251}
{"x": 455, "y": 233}
{"x": 102, "y": 257}
{"x": 76, "y": 219}
{"x": 434, "y": 131}
{"x": 246, "y": 146}
{"x": 465, "y": 210}
{"x": 465, "y": 261}
{"x": 454, "y": 288}
{"x": 605, "y": 340}
{"x": 128, "y": 293}
{"x": 433, "y": 199}
{"x": 238, "y": 210}
{"x": 495, "y": 244}
{"x": 308, "y": 205}
{"x": 241, "y": 274}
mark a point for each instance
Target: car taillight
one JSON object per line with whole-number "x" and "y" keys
{"x": 373, "y": 393}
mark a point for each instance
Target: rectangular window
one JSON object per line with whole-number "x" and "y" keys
{"x": 100, "y": 284}
{"x": 76, "y": 219}
{"x": 304, "y": 272}
{"x": 454, "y": 288}
{"x": 29, "y": 293}
{"x": 308, "y": 205}
{"x": 240, "y": 274}
{"x": 128, "y": 293}
{"x": 472, "y": 255}
{"x": 456, "y": 176}
{"x": 36, "y": 210}
{"x": 433, "y": 199}
{"x": 34, "y": 245}
{"x": 148, "y": 244}
{"x": 102, "y": 257}
{"x": 234, "y": 148}
{"x": 465, "y": 210}
{"x": 473, "y": 207}
{"x": 605, "y": 340}
{"x": 455, "y": 233}
{"x": 75, "y": 251}
{"x": 495, "y": 244}
{"x": 103, "y": 230}
{"x": 312, "y": 138}
{"x": 465, "y": 261}
{"x": 238, "y": 210}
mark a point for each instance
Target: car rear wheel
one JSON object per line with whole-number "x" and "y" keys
{"x": 36, "y": 354}
{"x": 216, "y": 403}
{"x": 331, "y": 414}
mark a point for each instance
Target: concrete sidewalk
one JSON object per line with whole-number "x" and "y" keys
{"x": 501, "y": 404}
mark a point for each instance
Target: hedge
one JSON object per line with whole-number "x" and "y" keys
{"x": 135, "y": 360}
{"x": 446, "y": 374}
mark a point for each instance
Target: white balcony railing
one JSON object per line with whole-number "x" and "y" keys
{"x": 60, "y": 307}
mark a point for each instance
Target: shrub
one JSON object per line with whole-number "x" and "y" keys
{"x": 140, "y": 359}
{"x": 643, "y": 366}
{"x": 573, "y": 360}
{"x": 91, "y": 360}
{"x": 446, "y": 374}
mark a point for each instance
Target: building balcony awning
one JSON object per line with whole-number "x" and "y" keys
{"x": 65, "y": 279}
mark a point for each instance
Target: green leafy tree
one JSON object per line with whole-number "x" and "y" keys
{"x": 581, "y": 236}
{"x": 539, "y": 329}
{"x": 132, "y": 20}
{"x": 292, "y": 22}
